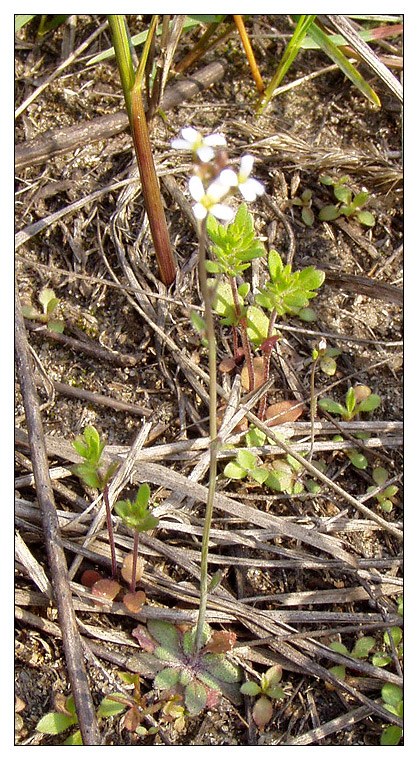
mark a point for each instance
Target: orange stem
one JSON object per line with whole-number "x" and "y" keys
{"x": 249, "y": 52}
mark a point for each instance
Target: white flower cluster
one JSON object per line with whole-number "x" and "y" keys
{"x": 208, "y": 199}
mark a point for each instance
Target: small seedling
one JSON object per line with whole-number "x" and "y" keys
{"x": 49, "y": 304}
{"x": 361, "y": 651}
{"x": 266, "y": 690}
{"x": 357, "y": 399}
{"x": 349, "y": 205}
{"x": 199, "y": 677}
{"x": 384, "y": 497}
{"x": 94, "y": 474}
{"x": 393, "y": 702}
{"x": 138, "y": 517}
{"x": 305, "y": 202}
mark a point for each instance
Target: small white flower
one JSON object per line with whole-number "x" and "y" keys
{"x": 248, "y": 187}
{"x": 209, "y": 201}
{"x": 201, "y": 146}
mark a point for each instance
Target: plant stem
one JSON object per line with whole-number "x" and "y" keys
{"x": 243, "y": 333}
{"x": 266, "y": 364}
{"x": 210, "y": 334}
{"x": 134, "y": 561}
{"x": 110, "y": 531}
{"x": 313, "y": 408}
{"x": 151, "y": 190}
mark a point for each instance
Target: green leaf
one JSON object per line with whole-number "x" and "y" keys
{"x": 166, "y": 678}
{"x": 166, "y": 634}
{"x": 379, "y": 475}
{"x": 392, "y": 694}
{"x": 380, "y": 659}
{"x": 365, "y": 217}
{"x": 333, "y": 407}
{"x": 74, "y": 740}
{"x": 350, "y": 400}
{"x": 275, "y": 265}
{"x": 362, "y": 647}
{"x": 391, "y": 736}
{"x": 221, "y": 668}
{"x": 275, "y": 692}
{"x": 55, "y": 723}
{"x": 195, "y": 698}
{"x": 337, "y": 56}
{"x": 342, "y": 193}
{"x": 360, "y": 199}
{"x": 21, "y": 19}
{"x": 246, "y": 459}
{"x": 234, "y": 471}
{"x": 369, "y": 404}
{"x": 87, "y": 473}
{"x": 337, "y": 646}
{"x": 328, "y": 213}
{"x": 255, "y": 437}
{"x": 396, "y": 634}
{"x": 328, "y": 365}
{"x": 307, "y": 314}
{"x": 338, "y": 671}
{"x": 357, "y": 460}
{"x": 259, "y": 474}
{"x": 213, "y": 267}
{"x": 56, "y": 325}
{"x": 257, "y": 325}
{"x": 250, "y": 688}
{"x": 109, "y": 706}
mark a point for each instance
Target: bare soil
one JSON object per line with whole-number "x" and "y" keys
{"x": 99, "y": 260}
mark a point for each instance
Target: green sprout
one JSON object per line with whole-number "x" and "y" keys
{"x": 96, "y": 475}
{"x": 49, "y": 304}
{"x": 358, "y": 399}
{"x": 348, "y": 204}
{"x": 384, "y": 497}
{"x": 265, "y": 691}
{"x": 138, "y": 517}
{"x": 305, "y": 202}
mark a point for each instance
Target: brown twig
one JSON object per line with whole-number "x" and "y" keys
{"x": 57, "y": 562}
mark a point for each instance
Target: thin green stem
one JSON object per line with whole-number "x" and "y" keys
{"x": 313, "y": 408}
{"x": 123, "y": 56}
{"x": 210, "y": 334}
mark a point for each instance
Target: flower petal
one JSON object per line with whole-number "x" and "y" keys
{"x": 246, "y": 167}
{"x": 228, "y": 178}
{"x": 191, "y": 135}
{"x": 250, "y": 189}
{"x": 199, "y": 211}
{"x": 205, "y": 153}
{"x": 222, "y": 212}
{"x": 214, "y": 140}
{"x": 196, "y": 188}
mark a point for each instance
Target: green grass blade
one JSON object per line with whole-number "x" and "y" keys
{"x": 333, "y": 52}
{"x": 304, "y": 23}
{"x": 136, "y": 40}
{"x": 21, "y": 19}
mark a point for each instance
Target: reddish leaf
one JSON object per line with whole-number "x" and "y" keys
{"x": 132, "y": 719}
{"x": 262, "y": 712}
{"x": 143, "y": 638}
{"x": 283, "y": 411}
{"x": 221, "y": 642}
{"x": 227, "y": 365}
{"x": 90, "y": 577}
{"x": 106, "y": 589}
{"x": 212, "y": 698}
{"x": 126, "y": 571}
{"x": 269, "y": 343}
{"x": 134, "y": 602}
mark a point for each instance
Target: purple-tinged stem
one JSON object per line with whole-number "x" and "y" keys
{"x": 266, "y": 363}
{"x": 110, "y": 532}
{"x": 134, "y": 562}
{"x": 243, "y": 333}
